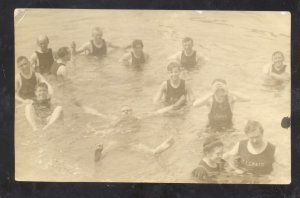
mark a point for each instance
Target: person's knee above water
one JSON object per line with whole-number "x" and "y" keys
{"x": 42, "y": 59}
{"x": 220, "y": 101}
{"x": 277, "y": 72}
{"x": 59, "y": 66}
{"x": 175, "y": 91}
{"x": 42, "y": 112}
{"x": 137, "y": 57}
{"x": 255, "y": 154}
{"x": 212, "y": 163}
{"x": 26, "y": 81}
{"x": 188, "y": 57}
{"x": 96, "y": 47}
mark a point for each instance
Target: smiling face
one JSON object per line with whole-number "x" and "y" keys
{"x": 278, "y": 59}
{"x": 174, "y": 73}
{"x": 97, "y": 35}
{"x": 43, "y": 43}
{"x": 24, "y": 66}
{"x": 255, "y": 138}
{"x": 41, "y": 93}
{"x": 187, "y": 46}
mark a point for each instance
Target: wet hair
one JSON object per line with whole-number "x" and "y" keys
{"x": 20, "y": 58}
{"x": 187, "y": 39}
{"x": 219, "y": 80}
{"x": 252, "y": 125}
{"x": 46, "y": 37}
{"x": 278, "y": 52}
{"x": 62, "y": 52}
{"x": 137, "y": 42}
{"x": 41, "y": 85}
{"x": 97, "y": 29}
{"x": 210, "y": 143}
{"x": 173, "y": 65}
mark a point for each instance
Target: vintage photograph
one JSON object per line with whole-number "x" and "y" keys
{"x": 164, "y": 96}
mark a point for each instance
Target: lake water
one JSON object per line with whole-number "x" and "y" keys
{"x": 236, "y": 45}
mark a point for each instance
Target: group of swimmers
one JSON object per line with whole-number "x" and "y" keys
{"x": 255, "y": 155}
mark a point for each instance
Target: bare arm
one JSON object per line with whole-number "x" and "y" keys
{"x": 160, "y": 92}
{"x": 34, "y": 61}
{"x": 109, "y": 44}
{"x": 203, "y": 100}
{"x": 83, "y": 48}
{"x": 190, "y": 94}
{"x": 126, "y": 59}
{"x": 281, "y": 77}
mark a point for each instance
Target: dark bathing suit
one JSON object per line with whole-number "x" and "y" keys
{"x": 55, "y": 67}
{"x": 282, "y": 70}
{"x": 188, "y": 62}
{"x": 99, "y": 52}
{"x": 258, "y": 164}
{"x": 45, "y": 61}
{"x": 138, "y": 61}
{"x": 174, "y": 94}
{"x": 43, "y": 109}
{"x": 28, "y": 87}
{"x": 209, "y": 173}
{"x": 220, "y": 115}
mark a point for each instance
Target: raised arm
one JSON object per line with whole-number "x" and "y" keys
{"x": 83, "y": 48}
{"x": 160, "y": 93}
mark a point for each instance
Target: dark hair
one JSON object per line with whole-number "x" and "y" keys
{"x": 187, "y": 39}
{"x": 278, "y": 52}
{"x": 211, "y": 142}
{"x": 219, "y": 80}
{"x": 42, "y": 85}
{"x": 62, "y": 52}
{"x": 173, "y": 65}
{"x": 20, "y": 58}
{"x": 136, "y": 43}
{"x": 252, "y": 125}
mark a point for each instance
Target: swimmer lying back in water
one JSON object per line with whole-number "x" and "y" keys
{"x": 128, "y": 123}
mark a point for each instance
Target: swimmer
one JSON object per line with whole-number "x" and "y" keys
{"x": 96, "y": 47}
{"x": 276, "y": 73}
{"x": 59, "y": 66}
{"x": 26, "y": 81}
{"x": 41, "y": 111}
{"x": 254, "y": 155}
{"x": 42, "y": 59}
{"x": 221, "y": 101}
{"x": 175, "y": 92}
{"x": 212, "y": 163}
{"x": 137, "y": 57}
{"x": 128, "y": 123}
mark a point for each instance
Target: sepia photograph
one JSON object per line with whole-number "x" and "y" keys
{"x": 152, "y": 96}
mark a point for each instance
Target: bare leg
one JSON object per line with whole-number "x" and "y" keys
{"x": 29, "y": 114}
{"x": 101, "y": 150}
{"x": 54, "y": 116}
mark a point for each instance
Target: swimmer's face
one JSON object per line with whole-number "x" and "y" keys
{"x": 216, "y": 154}
{"x": 220, "y": 92}
{"x": 43, "y": 44}
{"x": 24, "y": 66}
{"x": 126, "y": 111}
{"x": 138, "y": 49}
{"x": 174, "y": 73}
{"x": 97, "y": 35}
{"x": 278, "y": 59}
{"x": 187, "y": 46}
{"x": 255, "y": 138}
{"x": 41, "y": 93}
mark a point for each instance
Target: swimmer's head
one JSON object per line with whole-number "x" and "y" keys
{"x": 137, "y": 45}
{"x": 174, "y": 70}
{"x": 126, "y": 110}
{"x": 97, "y": 34}
{"x": 278, "y": 58}
{"x": 64, "y": 53}
{"x": 213, "y": 148}
{"x": 23, "y": 65}
{"x": 43, "y": 42}
{"x": 220, "y": 87}
{"x": 41, "y": 91}
{"x": 187, "y": 43}
{"x": 254, "y": 132}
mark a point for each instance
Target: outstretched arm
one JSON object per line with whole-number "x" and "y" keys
{"x": 83, "y": 48}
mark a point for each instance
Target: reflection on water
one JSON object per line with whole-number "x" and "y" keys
{"x": 236, "y": 46}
